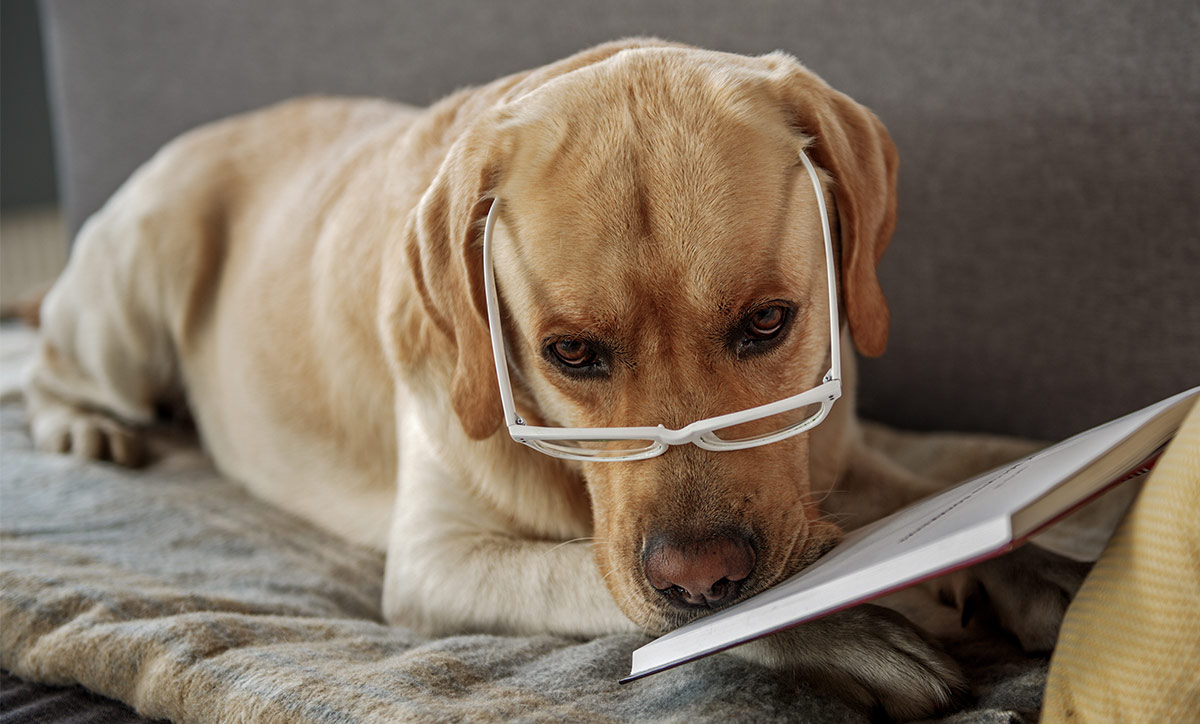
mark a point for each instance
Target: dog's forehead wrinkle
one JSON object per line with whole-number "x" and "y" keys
{"x": 684, "y": 136}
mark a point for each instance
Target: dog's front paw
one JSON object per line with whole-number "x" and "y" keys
{"x": 871, "y": 657}
{"x": 63, "y": 428}
{"x": 1025, "y": 592}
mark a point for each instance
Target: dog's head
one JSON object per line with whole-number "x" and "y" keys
{"x": 659, "y": 260}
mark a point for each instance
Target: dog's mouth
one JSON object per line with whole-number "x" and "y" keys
{"x": 704, "y": 592}
{"x": 721, "y": 594}
{"x": 676, "y": 608}
{"x": 680, "y": 610}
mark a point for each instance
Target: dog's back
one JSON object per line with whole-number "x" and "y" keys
{"x": 236, "y": 265}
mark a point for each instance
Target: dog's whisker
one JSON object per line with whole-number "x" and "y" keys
{"x": 817, "y": 501}
{"x": 574, "y": 540}
{"x": 833, "y": 517}
{"x": 836, "y": 518}
{"x": 828, "y": 494}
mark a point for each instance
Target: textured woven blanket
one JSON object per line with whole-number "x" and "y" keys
{"x": 176, "y": 592}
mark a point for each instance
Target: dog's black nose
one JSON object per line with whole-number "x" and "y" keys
{"x": 707, "y": 572}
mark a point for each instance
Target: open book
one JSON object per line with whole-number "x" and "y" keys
{"x": 973, "y": 521}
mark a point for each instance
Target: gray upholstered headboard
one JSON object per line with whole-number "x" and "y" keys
{"x": 1045, "y": 273}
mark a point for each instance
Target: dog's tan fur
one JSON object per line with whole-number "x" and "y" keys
{"x": 310, "y": 278}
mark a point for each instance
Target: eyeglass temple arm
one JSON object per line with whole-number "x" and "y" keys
{"x": 835, "y": 345}
{"x": 493, "y": 308}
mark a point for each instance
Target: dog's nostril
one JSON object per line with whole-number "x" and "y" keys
{"x": 704, "y": 573}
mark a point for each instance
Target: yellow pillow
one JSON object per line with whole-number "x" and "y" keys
{"x": 1129, "y": 648}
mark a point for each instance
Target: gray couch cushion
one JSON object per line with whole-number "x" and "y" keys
{"x": 1043, "y": 273}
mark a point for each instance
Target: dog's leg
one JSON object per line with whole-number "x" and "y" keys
{"x": 870, "y": 656}
{"x": 454, "y": 564}
{"x": 1025, "y": 592}
{"x": 104, "y": 356}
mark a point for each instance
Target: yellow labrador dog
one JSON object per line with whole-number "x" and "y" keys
{"x": 310, "y": 278}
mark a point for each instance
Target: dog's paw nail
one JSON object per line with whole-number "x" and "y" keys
{"x": 86, "y": 436}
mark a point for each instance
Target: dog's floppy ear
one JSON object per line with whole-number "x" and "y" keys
{"x": 853, "y": 146}
{"x": 444, "y": 239}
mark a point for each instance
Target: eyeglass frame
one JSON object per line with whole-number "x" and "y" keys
{"x": 700, "y": 433}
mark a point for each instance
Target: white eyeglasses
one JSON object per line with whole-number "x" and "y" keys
{"x": 760, "y": 425}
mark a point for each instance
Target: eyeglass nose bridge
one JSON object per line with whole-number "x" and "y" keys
{"x": 702, "y": 433}
{"x": 683, "y": 436}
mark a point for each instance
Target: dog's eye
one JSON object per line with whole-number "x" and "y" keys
{"x": 576, "y": 355}
{"x": 761, "y": 330}
{"x": 574, "y": 352}
{"x": 766, "y": 322}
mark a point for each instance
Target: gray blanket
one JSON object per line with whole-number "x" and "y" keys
{"x": 176, "y": 592}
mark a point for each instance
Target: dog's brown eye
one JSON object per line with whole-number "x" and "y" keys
{"x": 578, "y": 357}
{"x": 766, "y": 322}
{"x": 761, "y": 330}
{"x": 574, "y": 353}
